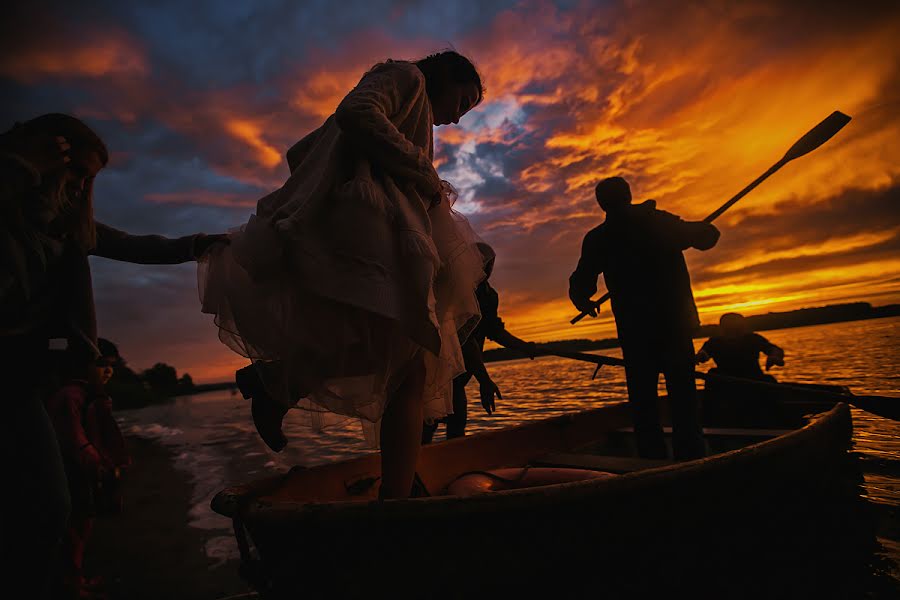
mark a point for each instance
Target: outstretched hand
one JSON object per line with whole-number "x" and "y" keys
{"x": 488, "y": 389}
{"x": 203, "y": 243}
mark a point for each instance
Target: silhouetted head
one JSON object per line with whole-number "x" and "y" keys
{"x": 69, "y": 189}
{"x": 732, "y": 324}
{"x": 76, "y": 362}
{"x": 109, "y": 350}
{"x": 107, "y": 361}
{"x": 453, "y": 85}
{"x": 613, "y": 194}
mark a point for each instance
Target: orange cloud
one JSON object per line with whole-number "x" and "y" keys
{"x": 107, "y": 54}
{"x": 251, "y": 134}
{"x": 322, "y": 91}
{"x": 759, "y": 256}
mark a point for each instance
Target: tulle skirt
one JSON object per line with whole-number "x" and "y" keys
{"x": 330, "y": 355}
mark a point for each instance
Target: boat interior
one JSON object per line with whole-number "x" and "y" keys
{"x": 593, "y": 443}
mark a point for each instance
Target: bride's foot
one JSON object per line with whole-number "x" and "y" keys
{"x": 267, "y": 414}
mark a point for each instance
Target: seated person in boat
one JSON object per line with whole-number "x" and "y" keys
{"x": 638, "y": 249}
{"x": 736, "y": 350}
{"x": 490, "y": 327}
{"x": 94, "y": 454}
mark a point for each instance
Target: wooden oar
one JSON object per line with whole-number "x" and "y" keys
{"x": 883, "y": 406}
{"x": 814, "y": 138}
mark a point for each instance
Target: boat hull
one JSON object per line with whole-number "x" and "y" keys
{"x": 737, "y": 524}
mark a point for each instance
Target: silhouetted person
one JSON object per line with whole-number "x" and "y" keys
{"x": 94, "y": 453}
{"x": 489, "y": 327}
{"x": 639, "y": 251}
{"x": 736, "y": 350}
{"x": 352, "y": 285}
{"x": 47, "y": 231}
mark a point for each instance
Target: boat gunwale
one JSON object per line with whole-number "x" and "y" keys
{"x": 243, "y": 501}
{"x": 231, "y": 500}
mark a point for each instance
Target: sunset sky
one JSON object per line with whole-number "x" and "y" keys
{"x": 690, "y": 101}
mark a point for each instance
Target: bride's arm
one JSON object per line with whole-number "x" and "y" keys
{"x": 364, "y": 116}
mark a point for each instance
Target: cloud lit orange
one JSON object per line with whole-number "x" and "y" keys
{"x": 690, "y": 108}
{"x": 689, "y": 101}
{"x": 252, "y": 134}
{"x": 108, "y": 54}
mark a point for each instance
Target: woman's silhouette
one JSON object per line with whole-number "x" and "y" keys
{"x": 349, "y": 286}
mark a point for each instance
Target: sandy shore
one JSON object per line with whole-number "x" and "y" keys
{"x": 149, "y": 551}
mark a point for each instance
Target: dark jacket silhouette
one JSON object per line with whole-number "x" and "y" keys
{"x": 738, "y": 356}
{"x": 640, "y": 256}
{"x": 638, "y": 249}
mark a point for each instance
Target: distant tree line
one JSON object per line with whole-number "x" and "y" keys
{"x": 160, "y": 382}
{"x": 820, "y": 315}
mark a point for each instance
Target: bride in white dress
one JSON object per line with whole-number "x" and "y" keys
{"x": 353, "y": 283}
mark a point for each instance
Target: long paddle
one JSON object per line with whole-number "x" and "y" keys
{"x": 814, "y": 138}
{"x": 883, "y": 406}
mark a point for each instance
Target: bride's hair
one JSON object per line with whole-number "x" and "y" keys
{"x": 82, "y": 141}
{"x": 448, "y": 67}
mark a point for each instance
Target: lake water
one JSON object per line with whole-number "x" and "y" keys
{"x": 217, "y": 445}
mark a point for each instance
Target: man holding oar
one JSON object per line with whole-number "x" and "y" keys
{"x": 639, "y": 251}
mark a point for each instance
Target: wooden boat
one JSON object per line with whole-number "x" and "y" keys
{"x": 759, "y": 511}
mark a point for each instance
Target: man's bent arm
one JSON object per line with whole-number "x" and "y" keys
{"x": 684, "y": 234}
{"x": 583, "y": 281}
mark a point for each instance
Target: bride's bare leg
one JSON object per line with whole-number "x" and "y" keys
{"x": 401, "y": 435}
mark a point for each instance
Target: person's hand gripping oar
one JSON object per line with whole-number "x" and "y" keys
{"x": 814, "y": 138}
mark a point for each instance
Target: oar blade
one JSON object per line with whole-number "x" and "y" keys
{"x": 818, "y": 135}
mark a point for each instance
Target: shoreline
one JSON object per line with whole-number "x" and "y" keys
{"x": 150, "y": 551}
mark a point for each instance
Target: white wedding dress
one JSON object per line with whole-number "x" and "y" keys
{"x": 355, "y": 266}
